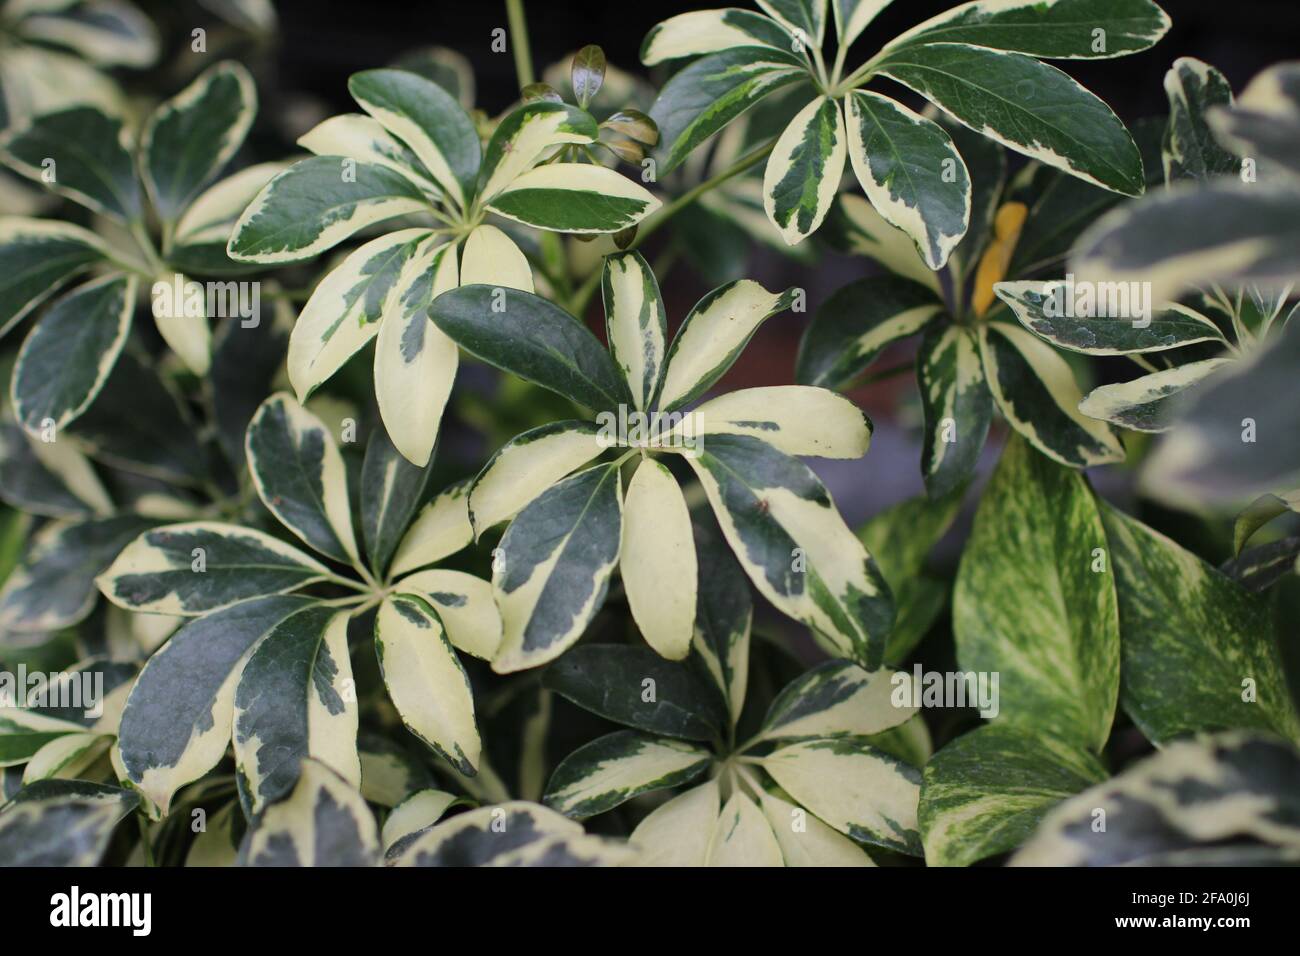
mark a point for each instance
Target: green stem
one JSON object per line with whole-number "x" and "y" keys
{"x": 838, "y": 68}
{"x": 141, "y": 236}
{"x": 519, "y": 42}
{"x": 647, "y": 229}
{"x": 144, "y": 840}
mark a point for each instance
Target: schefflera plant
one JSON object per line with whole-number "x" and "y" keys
{"x": 89, "y": 156}
{"x": 270, "y": 663}
{"x": 418, "y": 154}
{"x": 1179, "y": 343}
{"x": 980, "y": 62}
{"x": 973, "y": 356}
{"x": 566, "y": 534}
{"x": 810, "y": 788}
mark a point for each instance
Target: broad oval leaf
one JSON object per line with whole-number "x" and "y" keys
{"x": 168, "y": 739}
{"x": 794, "y": 419}
{"x": 836, "y": 699}
{"x": 553, "y": 566}
{"x": 1025, "y": 105}
{"x": 316, "y": 204}
{"x": 323, "y": 821}
{"x": 619, "y": 766}
{"x": 713, "y": 336}
{"x": 465, "y": 606}
{"x": 1191, "y": 637}
{"x": 712, "y": 31}
{"x": 1147, "y": 404}
{"x": 658, "y": 561}
{"x": 956, "y": 404}
{"x": 203, "y": 566}
{"x": 429, "y": 120}
{"x": 392, "y": 490}
{"x": 1052, "y": 29}
{"x": 528, "y": 336}
{"x": 299, "y": 475}
{"x": 527, "y": 465}
{"x": 574, "y": 197}
{"x": 678, "y": 832}
{"x": 911, "y": 172}
{"x": 363, "y": 138}
{"x": 61, "y": 823}
{"x": 345, "y": 309}
{"x": 1032, "y": 604}
{"x": 67, "y": 357}
{"x": 524, "y": 137}
{"x": 425, "y": 679}
{"x": 608, "y": 680}
{"x": 36, "y": 257}
{"x": 742, "y": 837}
{"x": 190, "y": 137}
{"x": 790, "y": 539}
{"x": 987, "y": 791}
{"x": 295, "y": 700}
{"x": 636, "y": 324}
{"x": 803, "y": 173}
{"x": 1189, "y": 148}
{"x": 441, "y": 528}
{"x": 91, "y": 155}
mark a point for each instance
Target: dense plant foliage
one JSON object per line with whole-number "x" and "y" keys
{"x": 512, "y": 592}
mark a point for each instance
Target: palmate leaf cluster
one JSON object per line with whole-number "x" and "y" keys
{"x": 347, "y": 604}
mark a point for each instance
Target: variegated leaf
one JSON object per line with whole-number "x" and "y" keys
{"x": 316, "y": 204}
{"x": 636, "y": 325}
{"x": 619, "y": 766}
{"x": 854, "y": 16}
{"x": 412, "y": 816}
{"x": 105, "y": 32}
{"x": 295, "y": 699}
{"x": 1033, "y": 604}
{"x": 795, "y": 419}
{"x": 677, "y": 833}
{"x": 1052, "y": 29}
{"x": 1259, "y": 513}
{"x": 712, "y": 31}
{"x": 956, "y": 404}
{"x": 1045, "y": 309}
{"x": 1035, "y": 389}
{"x": 1146, "y": 404}
{"x": 300, "y": 477}
{"x": 91, "y": 155}
{"x": 1025, "y": 105}
{"x": 806, "y": 19}
{"x": 803, "y": 173}
{"x": 524, "y": 137}
{"x": 68, "y": 355}
{"x": 1199, "y": 651}
{"x": 805, "y": 840}
{"x": 554, "y": 564}
{"x": 425, "y": 679}
{"x": 723, "y": 613}
{"x": 526, "y": 466}
{"x": 837, "y": 699}
{"x": 415, "y": 363}
{"x": 198, "y": 240}
{"x": 365, "y": 139}
{"x": 707, "y": 95}
{"x": 189, "y": 138}
{"x": 574, "y": 197}
{"x": 465, "y": 606}
{"x": 440, "y": 529}
{"x": 491, "y": 257}
{"x": 1228, "y": 800}
{"x": 203, "y": 566}
{"x": 742, "y": 836}
{"x": 986, "y": 792}
{"x": 23, "y": 732}
{"x": 53, "y": 479}
{"x": 345, "y": 309}
{"x": 1189, "y": 148}
{"x": 1264, "y": 123}
{"x": 854, "y": 788}
{"x": 37, "y": 256}
{"x": 323, "y": 821}
{"x": 168, "y": 739}
{"x": 911, "y": 172}
{"x": 790, "y": 539}
{"x": 609, "y": 680}
{"x": 61, "y": 823}
{"x": 54, "y": 586}
{"x": 713, "y": 336}
{"x": 427, "y": 119}
{"x": 658, "y": 560}
{"x": 511, "y": 834}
